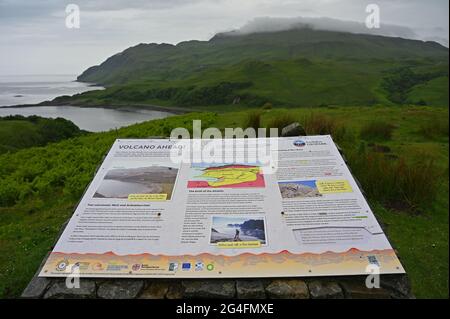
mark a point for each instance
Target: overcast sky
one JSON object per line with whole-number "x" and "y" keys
{"x": 34, "y": 39}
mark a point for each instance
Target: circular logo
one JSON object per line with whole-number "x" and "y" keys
{"x": 62, "y": 265}
{"x": 210, "y": 267}
{"x": 299, "y": 143}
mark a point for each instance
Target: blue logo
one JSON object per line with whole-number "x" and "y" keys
{"x": 186, "y": 266}
{"x": 299, "y": 143}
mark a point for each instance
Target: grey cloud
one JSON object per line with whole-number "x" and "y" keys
{"x": 136, "y": 4}
{"x": 34, "y": 38}
{"x": 268, "y": 24}
{"x": 25, "y": 9}
{"x": 18, "y": 10}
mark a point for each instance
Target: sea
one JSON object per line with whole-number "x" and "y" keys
{"x": 32, "y": 89}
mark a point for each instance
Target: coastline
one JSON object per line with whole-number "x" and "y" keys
{"x": 118, "y": 107}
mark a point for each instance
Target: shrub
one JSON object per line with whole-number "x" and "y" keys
{"x": 9, "y": 192}
{"x": 267, "y": 106}
{"x": 279, "y": 122}
{"x": 399, "y": 82}
{"x": 221, "y": 93}
{"x": 320, "y": 124}
{"x": 377, "y": 130}
{"x": 395, "y": 182}
{"x": 253, "y": 120}
{"x": 438, "y": 127}
{"x": 19, "y": 132}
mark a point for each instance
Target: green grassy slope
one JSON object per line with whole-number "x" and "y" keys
{"x": 17, "y": 132}
{"x": 169, "y": 62}
{"x": 432, "y": 92}
{"x": 40, "y": 186}
{"x": 301, "y": 67}
{"x": 299, "y": 82}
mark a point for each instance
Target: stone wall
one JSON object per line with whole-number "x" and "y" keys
{"x": 340, "y": 287}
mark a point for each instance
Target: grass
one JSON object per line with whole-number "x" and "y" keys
{"x": 279, "y": 122}
{"x": 432, "y": 92}
{"x": 252, "y": 120}
{"x": 437, "y": 128}
{"x": 397, "y": 183}
{"x": 377, "y": 130}
{"x": 319, "y": 124}
{"x": 40, "y": 186}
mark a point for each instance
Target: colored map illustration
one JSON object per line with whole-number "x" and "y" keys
{"x": 225, "y": 175}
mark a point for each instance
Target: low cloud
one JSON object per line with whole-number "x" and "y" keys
{"x": 34, "y": 38}
{"x": 268, "y": 24}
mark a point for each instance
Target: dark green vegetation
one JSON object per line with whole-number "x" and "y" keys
{"x": 403, "y": 81}
{"x": 17, "y": 132}
{"x": 293, "y": 68}
{"x": 404, "y": 176}
{"x": 377, "y": 130}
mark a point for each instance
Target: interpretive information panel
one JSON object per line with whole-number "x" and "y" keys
{"x": 148, "y": 213}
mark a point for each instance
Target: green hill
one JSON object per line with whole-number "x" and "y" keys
{"x": 18, "y": 132}
{"x": 175, "y": 62}
{"x": 301, "y": 67}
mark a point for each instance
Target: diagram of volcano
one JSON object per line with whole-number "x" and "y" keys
{"x": 226, "y": 175}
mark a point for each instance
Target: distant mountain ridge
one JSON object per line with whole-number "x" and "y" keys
{"x": 166, "y": 61}
{"x": 291, "y": 68}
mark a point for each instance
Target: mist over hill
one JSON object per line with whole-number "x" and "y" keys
{"x": 269, "y": 24}
{"x": 301, "y": 66}
{"x": 166, "y": 61}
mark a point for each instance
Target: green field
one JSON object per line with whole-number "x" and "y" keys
{"x": 400, "y": 155}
